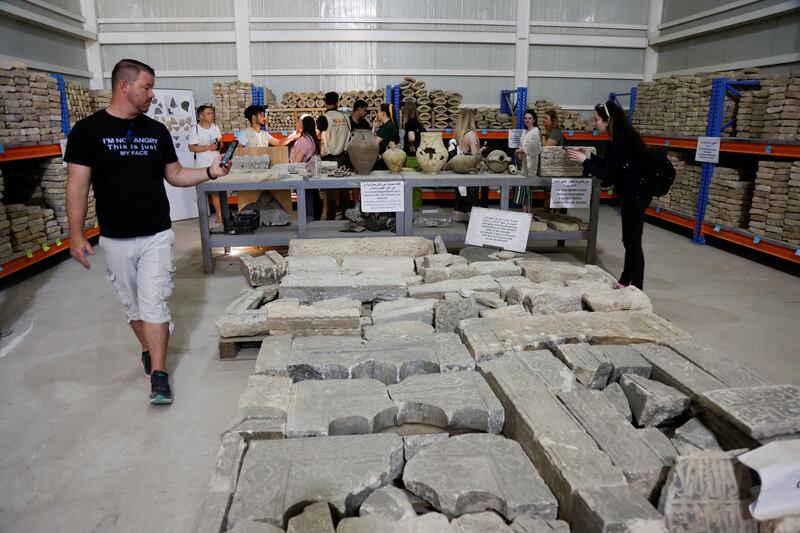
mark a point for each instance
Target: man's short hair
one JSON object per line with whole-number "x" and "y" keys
{"x": 322, "y": 123}
{"x": 331, "y": 98}
{"x": 253, "y": 110}
{"x": 203, "y": 107}
{"x": 129, "y": 69}
{"x": 359, "y": 104}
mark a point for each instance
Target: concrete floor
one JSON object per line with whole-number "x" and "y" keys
{"x": 81, "y": 450}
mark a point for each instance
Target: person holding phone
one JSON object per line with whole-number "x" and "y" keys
{"x": 621, "y": 168}
{"x": 126, "y": 156}
{"x": 204, "y": 142}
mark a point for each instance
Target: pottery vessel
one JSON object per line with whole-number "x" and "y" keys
{"x": 462, "y": 164}
{"x": 498, "y": 161}
{"x": 363, "y": 151}
{"x": 394, "y": 158}
{"x": 431, "y": 154}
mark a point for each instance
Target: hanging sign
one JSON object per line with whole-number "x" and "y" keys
{"x": 382, "y": 196}
{"x": 707, "y": 150}
{"x": 502, "y": 229}
{"x": 566, "y": 193}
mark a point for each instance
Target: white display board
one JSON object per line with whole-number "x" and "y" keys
{"x": 707, "y": 150}
{"x": 515, "y": 138}
{"x": 175, "y": 109}
{"x": 382, "y": 196}
{"x": 502, "y": 229}
{"x": 570, "y": 193}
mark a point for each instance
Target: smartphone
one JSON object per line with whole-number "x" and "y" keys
{"x": 229, "y": 152}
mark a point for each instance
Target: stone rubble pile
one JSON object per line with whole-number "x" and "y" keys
{"x": 231, "y": 99}
{"x": 583, "y": 411}
{"x": 30, "y": 107}
{"x": 101, "y": 98}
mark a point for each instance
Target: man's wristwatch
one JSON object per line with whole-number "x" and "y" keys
{"x": 208, "y": 173}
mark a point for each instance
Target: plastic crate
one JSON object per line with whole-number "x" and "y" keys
{"x": 242, "y": 222}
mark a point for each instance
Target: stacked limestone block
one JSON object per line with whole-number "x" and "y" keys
{"x": 568, "y": 120}
{"x": 54, "y": 187}
{"x": 730, "y": 196}
{"x": 791, "y": 221}
{"x": 52, "y": 230}
{"x": 18, "y": 219}
{"x": 231, "y": 99}
{"x": 5, "y": 233}
{"x": 750, "y": 115}
{"x": 783, "y": 109}
{"x": 30, "y": 112}
{"x": 677, "y": 105}
{"x": 682, "y": 196}
{"x": 100, "y": 99}
{"x": 80, "y": 102}
{"x": 770, "y": 199}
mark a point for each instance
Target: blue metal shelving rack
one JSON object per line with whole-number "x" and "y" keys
{"x": 632, "y": 102}
{"x": 515, "y": 106}
{"x": 62, "y": 91}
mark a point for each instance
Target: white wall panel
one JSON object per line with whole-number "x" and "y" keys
{"x": 220, "y": 56}
{"x": 678, "y": 9}
{"x": 161, "y": 8}
{"x": 422, "y": 9}
{"x": 723, "y": 13}
{"x": 29, "y": 42}
{"x": 608, "y": 11}
{"x": 586, "y": 59}
{"x": 166, "y": 27}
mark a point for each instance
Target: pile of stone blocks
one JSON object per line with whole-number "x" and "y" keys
{"x": 782, "y": 115}
{"x": 554, "y": 162}
{"x": 53, "y": 182}
{"x": 101, "y": 98}
{"x": 751, "y": 112}
{"x": 677, "y": 105}
{"x": 730, "y": 197}
{"x": 682, "y": 196}
{"x": 567, "y": 120}
{"x": 26, "y": 225}
{"x": 771, "y": 199}
{"x": 231, "y": 99}
{"x": 791, "y": 220}
{"x": 80, "y": 102}
{"x": 559, "y": 221}
{"x": 30, "y": 108}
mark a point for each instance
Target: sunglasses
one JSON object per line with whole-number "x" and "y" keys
{"x": 605, "y": 109}
{"x": 129, "y": 137}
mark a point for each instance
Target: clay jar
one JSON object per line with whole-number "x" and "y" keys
{"x": 394, "y": 158}
{"x": 363, "y": 151}
{"x": 462, "y": 164}
{"x": 497, "y": 161}
{"x": 431, "y": 154}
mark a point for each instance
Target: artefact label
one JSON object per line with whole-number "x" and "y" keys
{"x": 382, "y": 196}
{"x": 503, "y": 229}
{"x": 707, "y": 150}
{"x": 575, "y": 193}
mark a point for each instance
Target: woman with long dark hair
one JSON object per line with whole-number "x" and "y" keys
{"x": 307, "y": 146}
{"x": 621, "y": 167}
{"x": 530, "y": 147}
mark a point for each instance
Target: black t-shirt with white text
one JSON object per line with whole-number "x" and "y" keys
{"x": 127, "y": 177}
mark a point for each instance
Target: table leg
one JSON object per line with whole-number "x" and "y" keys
{"x": 202, "y": 210}
{"x": 504, "y": 195}
{"x": 303, "y": 216}
{"x": 594, "y": 215}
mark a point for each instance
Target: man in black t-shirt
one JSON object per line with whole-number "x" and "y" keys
{"x": 125, "y": 156}
{"x": 358, "y": 120}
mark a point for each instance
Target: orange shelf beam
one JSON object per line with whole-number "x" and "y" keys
{"x": 18, "y": 153}
{"x": 40, "y": 253}
{"x": 745, "y": 239}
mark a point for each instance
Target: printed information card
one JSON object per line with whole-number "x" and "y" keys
{"x": 382, "y": 196}
{"x": 566, "y": 193}
{"x": 502, "y": 229}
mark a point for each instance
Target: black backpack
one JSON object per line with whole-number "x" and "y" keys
{"x": 657, "y": 171}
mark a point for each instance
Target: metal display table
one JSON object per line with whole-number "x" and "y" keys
{"x": 305, "y": 227}
{"x": 458, "y": 232}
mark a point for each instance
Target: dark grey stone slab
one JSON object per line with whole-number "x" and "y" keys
{"x": 652, "y": 402}
{"x": 397, "y": 330}
{"x": 617, "y": 397}
{"x": 315, "y": 518}
{"x": 555, "y": 375}
{"x": 675, "y": 371}
{"x": 455, "y": 400}
{"x": 339, "y": 407}
{"x": 214, "y": 509}
{"x": 708, "y": 491}
{"x": 484, "y": 522}
{"x": 278, "y": 475}
{"x": 477, "y": 472}
{"x": 440, "y": 288}
{"x": 660, "y": 444}
{"x": 643, "y": 469}
{"x": 614, "y": 509}
{"x": 419, "y": 309}
{"x": 694, "y": 436}
{"x": 449, "y": 313}
{"x": 309, "y": 287}
{"x": 725, "y": 369}
{"x": 537, "y": 525}
{"x": 273, "y": 357}
{"x": 624, "y": 359}
{"x": 390, "y": 501}
{"x": 414, "y": 443}
{"x": 759, "y": 412}
{"x": 251, "y": 526}
{"x": 589, "y": 368}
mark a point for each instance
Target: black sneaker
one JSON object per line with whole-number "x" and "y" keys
{"x": 146, "y": 362}
{"x": 160, "y": 393}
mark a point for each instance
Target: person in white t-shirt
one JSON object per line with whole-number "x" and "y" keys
{"x": 256, "y": 137}
{"x": 204, "y": 142}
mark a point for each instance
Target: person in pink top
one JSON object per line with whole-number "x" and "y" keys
{"x": 307, "y": 146}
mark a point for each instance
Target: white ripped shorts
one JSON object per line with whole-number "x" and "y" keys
{"x": 140, "y": 271}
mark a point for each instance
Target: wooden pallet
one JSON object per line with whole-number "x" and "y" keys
{"x": 229, "y": 346}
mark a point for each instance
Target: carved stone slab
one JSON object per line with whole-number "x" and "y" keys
{"x": 725, "y": 369}
{"x": 554, "y": 162}
{"x": 759, "y": 412}
{"x": 614, "y": 509}
{"x": 677, "y": 372}
{"x": 590, "y": 368}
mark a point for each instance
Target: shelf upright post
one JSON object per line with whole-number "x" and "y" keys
{"x": 396, "y": 102}
{"x": 632, "y": 105}
{"x": 716, "y": 108}
{"x": 62, "y": 91}
{"x": 522, "y": 105}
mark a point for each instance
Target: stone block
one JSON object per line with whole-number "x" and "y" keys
{"x": 509, "y": 282}
{"x": 214, "y": 509}
{"x": 626, "y": 299}
{"x": 278, "y": 475}
{"x": 313, "y": 287}
{"x": 759, "y": 412}
{"x": 652, "y": 402}
{"x": 590, "y": 368}
{"x": 624, "y": 359}
{"x": 313, "y": 264}
{"x": 287, "y": 316}
{"x": 478, "y": 253}
{"x": 496, "y": 269}
{"x": 449, "y": 313}
{"x": 725, "y": 369}
{"x": 708, "y": 491}
{"x": 404, "y": 309}
{"x": 252, "y": 299}
{"x": 548, "y": 368}
{"x": 414, "y": 443}
{"x": 614, "y": 509}
{"x": 368, "y": 246}
{"x": 397, "y": 330}
{"x": 264, "y": 269}
{"x": 488, "y": 338}
{"x": 395, "y": 266}
{"x": 265, "y": 397}
{"x": 694, "y": 436}
{"x": 673, "y": 370}
{"x": 440, "y": 288}
{"x": 537, "y": 525}
{"x": 545, "y": 299}
{"x": 439, "y": 245}
{"x": 436, "y": 274}
{"x": 315, "y": 518}
{"x": 339, "y": 407}
{"x": 642, "y": 468}
{"x": 389, "y": 501}
{"x": 616, "y": 396}
{"x": 485, "y": 299}
{"x": 259, "y": 428}
{"x": 541, "y": 271}
{"x": 273, "y": 356}
{"x": 484, "y": 522}
{"x": 453, "y": 401}
{"x": 251, "y": 526}
{"x": 504, "y": 312}
{"x": 441, "y": 261}
{"x": 463, "y": 475}
{"x": 554, "y": 162}
{"x": 247, "y": 324}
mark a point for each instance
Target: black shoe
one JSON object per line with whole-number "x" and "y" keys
{"x": 146, "y": 362}
{"x": 160, "y": 393}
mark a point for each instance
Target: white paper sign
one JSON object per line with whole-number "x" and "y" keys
{"x": 382, "y": 196}
{"x": 514, "y": 138}
{"x": 63, "y": 143}
{"x": 567, "y": 192}
{"x": 778, "y": 466}
{"x": 503, "y": 229}
{"x": 707, "y": 150}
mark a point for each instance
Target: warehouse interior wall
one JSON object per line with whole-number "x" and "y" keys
{"x": 572, "y": 53}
